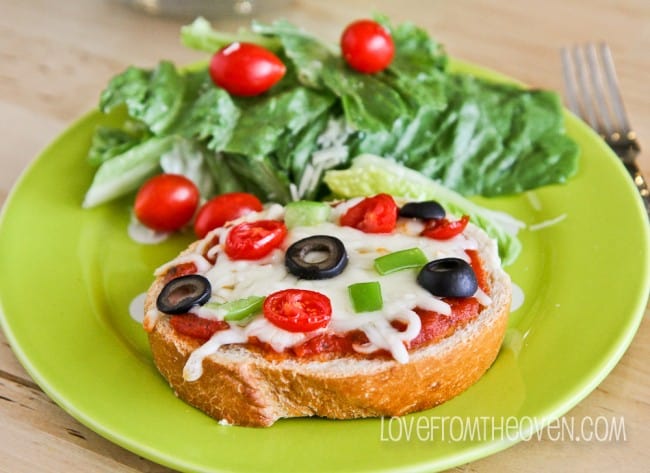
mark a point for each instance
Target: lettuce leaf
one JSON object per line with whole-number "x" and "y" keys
{"x": 154, "y": 97}
{"x": 126, "y": 172}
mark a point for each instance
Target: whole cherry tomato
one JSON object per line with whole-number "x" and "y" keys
{"x": 222, "y": 208}
{"x": 166, "y": 202}
{"x": 253, "y": 240}
{"x": 443, "y": 229}
{"x": 377, "y": 214}
{"x": 367, "y": 46}
{"x": 246, "y": 69}
{"x": 297, "y": 310}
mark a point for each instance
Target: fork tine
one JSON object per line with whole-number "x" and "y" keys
{"x": 603, "y": 111}
{"x": 614, "y": 91}
{"x": 584, "y": 90}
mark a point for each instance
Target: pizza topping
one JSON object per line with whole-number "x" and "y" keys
{"x": 305, "y": 213}
{"x": 377, "y": 214}
{"x": 182, "y": 294}
{"x": 187, "y": 263}
{"x": 253, "y": 240}
{"x": 239, "y": 309}
{"x": 444, "y": 229}
{"x": 316, "y": 257}
{"x": 429, "y": 209}
{"x": 448, "y": 277}
{"x": 197, "y": 327}
{"x": 366, "y": 296}
{"x": 298, "y": 310}
{"x": 290, "y": 315}
{"x": 194, "y": 367}
{"x": 399, "y": 260}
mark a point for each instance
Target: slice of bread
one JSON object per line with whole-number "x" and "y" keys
{"x": 242, "y": 387}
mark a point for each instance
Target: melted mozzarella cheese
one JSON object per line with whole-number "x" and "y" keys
{"x": 232, "y": 280}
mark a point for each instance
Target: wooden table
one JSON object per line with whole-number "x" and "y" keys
{"x": 55, "y": 57}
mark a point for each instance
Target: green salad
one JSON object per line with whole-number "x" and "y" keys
{"x": 461, "y": 134}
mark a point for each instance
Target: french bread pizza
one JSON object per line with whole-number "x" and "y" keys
{"x": 360, "y": 308}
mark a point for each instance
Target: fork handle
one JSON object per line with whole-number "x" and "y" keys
{"x": 641, "y": 184}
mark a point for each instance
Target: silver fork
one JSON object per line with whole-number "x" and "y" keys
{"x": 592, "y": 93}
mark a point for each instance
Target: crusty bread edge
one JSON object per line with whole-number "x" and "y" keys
{"x": 243, "y": 388}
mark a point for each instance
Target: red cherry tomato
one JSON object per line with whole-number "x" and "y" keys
{"x": 166, "y": 202}
{"x": 246, "y": 69}
{"x": 223, "y": 208}
{"x": 443, "y": 229}
{"x": 297, "y": 310}
{"x": 253, "y": 240}
{"x": 367, "y": 46}
{"x": 377, "y": 214}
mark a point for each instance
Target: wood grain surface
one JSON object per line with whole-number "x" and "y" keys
{"x": 55, "y": 57}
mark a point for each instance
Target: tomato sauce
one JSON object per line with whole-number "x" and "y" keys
{"x": 179, "y": 270}
{"x": 435, "y": 327}
{"x": 197, "y": 327}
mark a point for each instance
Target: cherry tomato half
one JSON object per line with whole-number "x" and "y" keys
{"x": 223, "y": 208}
{"x": 443, "y": 229}
{"x": 377, "y": 214}
{"x": 246, "y": 69}
{"x": 166, "y": 202}
{"x": 297, "y": 310}
{"x": 367, "y": 46}
{"x": 253, "y": 240}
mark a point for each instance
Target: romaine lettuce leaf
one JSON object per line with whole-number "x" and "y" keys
{"x": 208, "y": 113}
{"x": 154, "y": 97}
{"x": 308, "y": 54}
{"x": 263, "y": 121}
{"x": 108, "y": 143}
{"x": 490, "y": 139}
{"x": 415, "y": 52}
{"x": 125, "y": 173}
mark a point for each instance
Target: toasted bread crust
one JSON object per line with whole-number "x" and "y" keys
{"x": 242, "y": 387}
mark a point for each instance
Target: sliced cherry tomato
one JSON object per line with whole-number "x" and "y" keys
{"x": 479, "y": 270}
{"x": 246, "y": 69}
{"x": 367, "y": 46}
{"x": 377, "y": 214}
{"x": 196, "y": 327}
{"x": 222, "y": 208}
{"x": 253, "y": 240}
{"x": 298, "y": 310}
{"x": 166, "y": 202}
{"x": 443, "y": 229}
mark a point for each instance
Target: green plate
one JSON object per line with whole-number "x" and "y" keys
{"x": 68, "y": 277}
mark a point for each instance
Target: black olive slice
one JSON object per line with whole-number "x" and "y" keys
{"x": 425, "y": 210}
{"x": 448, "y": 277}
{"x": 316, "y": 257}
{"x": 181, "y": 294}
